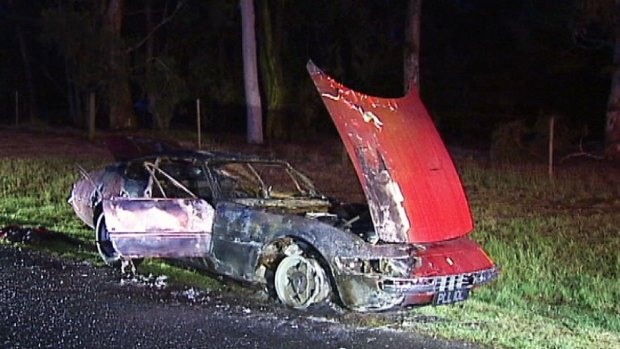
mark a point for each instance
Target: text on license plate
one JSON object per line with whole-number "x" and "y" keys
{"x": 449, "y": 297}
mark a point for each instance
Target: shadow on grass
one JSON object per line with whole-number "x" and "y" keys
{"x": 43, "y": 238}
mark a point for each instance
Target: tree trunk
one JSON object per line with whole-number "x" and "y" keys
{"x": 151, "y": 99}
{"x": 271, "y": 70}
{"x": 92, "y": 112}
{"x": 612, "y": 129}
{"x": 32, "y": 99}
{"x": 73, "y": 106}
{"x": 412, "y": 45}
{"x": 250, "y": 73}
{"x": 119, "y": 93}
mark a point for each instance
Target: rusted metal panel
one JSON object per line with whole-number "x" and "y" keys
{"x": 159, "y": 227}
{"x": 412, "y": 187}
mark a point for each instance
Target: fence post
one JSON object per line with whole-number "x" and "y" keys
{"x": 551, "y": 129}
{"x": 16, "y": 108}
{"x": 91, "y": 116}
{"x": 198, "y": 127}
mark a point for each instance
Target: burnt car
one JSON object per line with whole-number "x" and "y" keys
{"x": 260, "y": 221}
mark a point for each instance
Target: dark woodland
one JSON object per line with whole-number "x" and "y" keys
{"x": 492, "y": 73}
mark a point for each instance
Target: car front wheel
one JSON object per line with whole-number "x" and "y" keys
{"x": 301, "y": 281}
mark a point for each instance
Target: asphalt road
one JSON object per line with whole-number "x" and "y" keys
{"x": 49, "y": 302}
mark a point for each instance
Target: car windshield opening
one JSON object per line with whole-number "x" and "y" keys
{"x": 259, "y": 180}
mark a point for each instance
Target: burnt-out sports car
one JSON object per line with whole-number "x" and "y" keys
{"x": 260, "y": 221}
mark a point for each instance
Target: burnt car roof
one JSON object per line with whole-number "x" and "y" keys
{"x": 127, "y": 148}
{"x": 210, "y": 156}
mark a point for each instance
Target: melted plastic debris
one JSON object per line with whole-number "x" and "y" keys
{"x": 150, "y": 281}
{"x": 192, "y": 294}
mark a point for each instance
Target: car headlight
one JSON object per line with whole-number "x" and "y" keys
{"x": 394, "y": 267}
{"x": 399, "y": 267}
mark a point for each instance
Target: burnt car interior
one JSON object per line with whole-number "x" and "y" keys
{"x": 275, "y": 185}
{"x": 167, "y": 178}
{"x": 259, "y": 180}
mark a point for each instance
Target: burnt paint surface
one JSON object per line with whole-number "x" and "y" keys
{"x": 241, "y": 233}
{"x": 412, "y": 187}
{"x": 159, "y": 227}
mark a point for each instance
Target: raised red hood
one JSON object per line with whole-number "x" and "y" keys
{"x": 413, "y": 190}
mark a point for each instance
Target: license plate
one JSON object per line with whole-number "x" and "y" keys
{"x": 449, "y": 297}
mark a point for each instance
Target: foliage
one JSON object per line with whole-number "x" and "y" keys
{"x": 204, "y": 40}
{"x": 164, "y": 83}
{"x": 272, "y": 39}
{"x": 75, "y": 36}
{"x": 466, "y": 70}
{"x": 516, "y": 141}
{"x": 507, "y": 141}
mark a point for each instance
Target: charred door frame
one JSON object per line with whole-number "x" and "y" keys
{"x": 173, "y": 228}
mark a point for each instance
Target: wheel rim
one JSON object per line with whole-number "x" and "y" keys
{"x": 300, "y": 282}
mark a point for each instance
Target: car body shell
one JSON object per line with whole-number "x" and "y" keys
{"x": 408, "y": 246}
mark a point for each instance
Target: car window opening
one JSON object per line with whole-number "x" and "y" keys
{"x": 168, "y": 186}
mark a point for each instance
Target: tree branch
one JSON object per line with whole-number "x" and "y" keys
{"x": 581, "y": 152}
{"x": 165, "y": 20}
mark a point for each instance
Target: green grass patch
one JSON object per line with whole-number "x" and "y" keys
{"x": 513, "y": 326}
{"x": 557, "y": 242}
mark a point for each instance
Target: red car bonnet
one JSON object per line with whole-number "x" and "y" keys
{"x": 414, "y": 192}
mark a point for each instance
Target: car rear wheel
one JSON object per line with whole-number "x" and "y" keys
{"x": 300, "y": 281}
{"x": 105, "y": 248}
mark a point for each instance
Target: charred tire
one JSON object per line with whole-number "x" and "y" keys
{"x": 106, "y": 250}
{"x": 301, "y": 281}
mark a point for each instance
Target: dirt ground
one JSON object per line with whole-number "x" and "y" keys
{"x": 29, "y": 144}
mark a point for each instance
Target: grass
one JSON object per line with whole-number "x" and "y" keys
{"x": 558, "y": 243}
